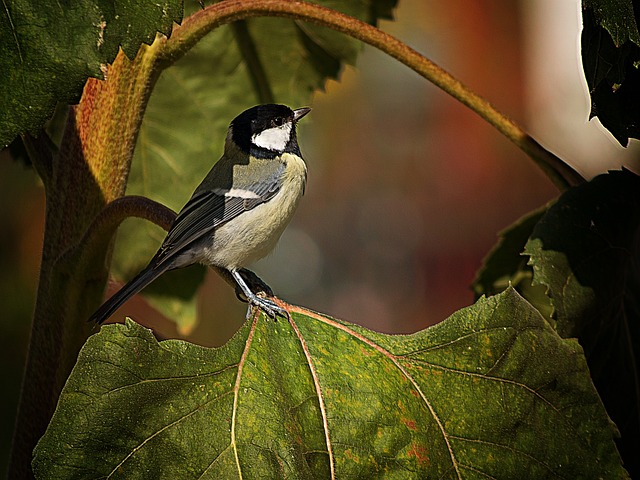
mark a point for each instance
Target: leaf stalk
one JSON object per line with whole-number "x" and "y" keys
{"x": 227, "y": 11}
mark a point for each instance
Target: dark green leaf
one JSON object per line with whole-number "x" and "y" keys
{"x": 586, "y": 250}
{"x": 506, "y": 266}
{"x": 172, "y": 294}
{"x": 611, "y": 61}
{"x": 492, "y": 392}
{"x": 616, "y": 17}
{"x": 185, "y": 124}
{"x": 49, "y": 49}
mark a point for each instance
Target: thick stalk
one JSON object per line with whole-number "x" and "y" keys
{"x": 89, "y": 170}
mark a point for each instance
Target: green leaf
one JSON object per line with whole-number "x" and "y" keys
{"x": 491, "y": 392}
{"x": 505, "y": 266}
{"x": 586, "y": 251}
{"x": 172, "y": 294}
{"x": 184, "y": 127}
{"x": 49, "y": 49}
{"x": 616, "y": 17}
{"x": 611, "y": 61}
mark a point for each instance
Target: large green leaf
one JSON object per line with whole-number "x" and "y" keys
{"x": 184, "y": 127}
{"x": 491, "y": 392}
{"x": 611, "y": 62}
{"x": 49, "y": 49}
{"x": 586, "y": 251}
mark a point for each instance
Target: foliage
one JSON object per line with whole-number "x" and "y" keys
{"x": 504, "y": 266}
{"x": 78, "y": 45}
{"x": 585, "y": 251}
{"x": 611, "y": 61}
{"x": 499, "y": 388}
{"x": 491, "y": 391}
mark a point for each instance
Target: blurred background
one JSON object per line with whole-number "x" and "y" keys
{"x": 407, "y": 188}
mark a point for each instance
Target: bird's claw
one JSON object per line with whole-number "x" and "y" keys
{"x": 258, "y": 300}
{"x": 268, "y": 306}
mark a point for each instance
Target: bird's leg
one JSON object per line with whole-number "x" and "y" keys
{"x": 255, "y": 283}
{"x": 267, "y": 306}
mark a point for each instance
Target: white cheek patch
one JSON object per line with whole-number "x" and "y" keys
{"x": 274, "y": 139}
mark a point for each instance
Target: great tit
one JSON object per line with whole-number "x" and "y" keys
{"x": 239, "y": 211}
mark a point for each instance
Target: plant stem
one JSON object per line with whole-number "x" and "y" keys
{"x": 196, "y": 26}
{"x": 104, "y": 226}
{"x": 89, "y": 171}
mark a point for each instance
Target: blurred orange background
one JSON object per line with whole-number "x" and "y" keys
{"x": 407, "y": 188}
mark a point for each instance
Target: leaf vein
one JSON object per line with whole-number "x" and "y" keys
{"x": 166, "y": 427}
{"x": 510, "y": 449}
{"x": 13, "y": 30}
{"x": 316, "y": 383}
{"x": 236, "y": 389}
{"x": 490, "y": 378}
{"x": 399, "y": 366}
{"x": 165, "y": 379}
{"x": 460, "y": 338}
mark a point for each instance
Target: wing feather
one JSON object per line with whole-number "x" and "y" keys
{"x": 209, "y": 209}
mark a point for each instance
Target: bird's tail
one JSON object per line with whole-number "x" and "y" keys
{"x": 137, "y": 283}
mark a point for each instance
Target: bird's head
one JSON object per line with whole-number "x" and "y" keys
{"x": 267, "y": 130}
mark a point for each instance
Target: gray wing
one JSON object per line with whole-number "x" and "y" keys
{"x": 209, "y": 209}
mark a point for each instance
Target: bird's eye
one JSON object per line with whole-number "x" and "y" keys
{"x": 277, "y": 122}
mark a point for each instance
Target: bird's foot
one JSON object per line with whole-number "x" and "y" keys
{"x": 268, "y": 306}
{"x": 259, "y": 300}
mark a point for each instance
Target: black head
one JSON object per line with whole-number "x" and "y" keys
{"x": 267, "y": 130}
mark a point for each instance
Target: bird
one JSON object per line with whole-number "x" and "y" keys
{"x": 240, "y": 209}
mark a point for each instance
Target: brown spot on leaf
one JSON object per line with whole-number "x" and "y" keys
{"x": 420, "y": 453}
{"x": 409, "y": 423}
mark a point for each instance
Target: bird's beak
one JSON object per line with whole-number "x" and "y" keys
{"x": 299, "y": 113}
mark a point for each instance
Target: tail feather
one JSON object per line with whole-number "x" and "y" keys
{"x": 137, "y": 283}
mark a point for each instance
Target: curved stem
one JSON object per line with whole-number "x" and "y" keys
{"x": 196, "y": 26}
{"x": 115, "y": 212}
{"x": 103, "y": 228}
